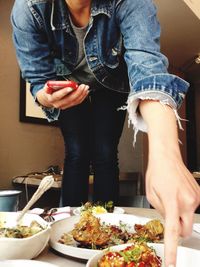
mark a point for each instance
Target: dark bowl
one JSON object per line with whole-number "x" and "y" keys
{"x": 9, "y": 200}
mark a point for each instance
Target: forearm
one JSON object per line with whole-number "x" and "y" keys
{"x": 162, "y": 129}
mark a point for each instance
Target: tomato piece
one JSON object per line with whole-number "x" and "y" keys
{"x": 131, "y": 264}
{"x": 141, "y": 264}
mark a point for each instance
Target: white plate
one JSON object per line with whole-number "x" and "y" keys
{"x": 25, "y": 263}
{"x": 117, "y": 210}
{"x": 186, "y": 257}
{"x": 66, "y": 225}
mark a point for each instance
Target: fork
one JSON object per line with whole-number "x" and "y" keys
{"x": 47, "y": 214}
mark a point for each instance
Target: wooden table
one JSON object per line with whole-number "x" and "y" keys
{"x": 63, "y": 261}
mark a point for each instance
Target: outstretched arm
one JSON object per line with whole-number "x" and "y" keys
{"x": 170, "y": 187}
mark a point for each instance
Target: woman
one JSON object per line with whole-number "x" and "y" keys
{"x": 100, "y": 43}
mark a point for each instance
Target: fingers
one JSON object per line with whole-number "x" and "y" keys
{"x": 188, "y": 205}
{"x": 67, "y": 97}
{"x": 186, "y": 223}
{"x": 175, "y": 226}
{"x": 192, "y": 183}
{"x": 172, "y": 226}
{"x": 76, "y": 97}
{"x": 172, "y": 233}
{"x": 175, "y": 196}
{"x": 178, "y": 222}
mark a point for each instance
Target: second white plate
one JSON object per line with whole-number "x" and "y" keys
{"x": 117, "y": 210}
{"x": 185, "y": 256}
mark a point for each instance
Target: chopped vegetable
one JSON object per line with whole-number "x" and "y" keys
{"x": 98, "y": 207}
{"x": 21, "y": 231}
{"x": 136, "y": 255}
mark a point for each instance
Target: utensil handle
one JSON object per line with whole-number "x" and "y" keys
{"x": 44, "y": 185}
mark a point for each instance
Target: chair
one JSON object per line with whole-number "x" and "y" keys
{"x": 132, "y": 190}
{"x": 138, "y": 201}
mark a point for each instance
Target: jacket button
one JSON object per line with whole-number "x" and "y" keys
{"x": 92, "y": 59}
{"x": 104, "y": 79}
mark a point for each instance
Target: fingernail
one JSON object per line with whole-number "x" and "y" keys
{"x": 69, "y": 90}
{"x": 86, "y": 90}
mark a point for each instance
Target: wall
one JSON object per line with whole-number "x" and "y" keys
{"x": 197, "y": 115}
{"x": 195, "y": 6}
{"x": 193, "y": 117}
{"x": 26, "y": 147}
{"x": 194, "y": 74}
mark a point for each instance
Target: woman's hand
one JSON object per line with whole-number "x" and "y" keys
{"x": 63, "y": 98}
{"x": 173, "y": 191}
{"x": 170, "y": 187}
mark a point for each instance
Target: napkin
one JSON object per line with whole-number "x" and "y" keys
{"x": 196, "y": 227}
{"x": 59, "y": 214}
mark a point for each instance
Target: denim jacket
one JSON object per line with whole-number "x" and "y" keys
{"x": 121, "y": 46}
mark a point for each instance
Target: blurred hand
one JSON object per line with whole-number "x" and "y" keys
{"x": 63, "y": 98}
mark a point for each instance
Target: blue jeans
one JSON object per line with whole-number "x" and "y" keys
{"x": 91, "y": 133}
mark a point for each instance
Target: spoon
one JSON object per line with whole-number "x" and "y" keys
{"x": 44, "y": 185}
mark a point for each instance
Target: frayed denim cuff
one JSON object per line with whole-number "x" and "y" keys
{"x": 51, "y": 114}
{"x": 134, "y": 116}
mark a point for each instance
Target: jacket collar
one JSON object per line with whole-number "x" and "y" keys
{"x": 102, "y": 7}
{"x": 98, "y": 7}
{"x": 60, "y": 19}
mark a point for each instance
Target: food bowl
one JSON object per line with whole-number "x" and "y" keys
{"x": 23, "y": 248}
{"x": 185, "y": 256}
{"x": 9, "y": 200}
